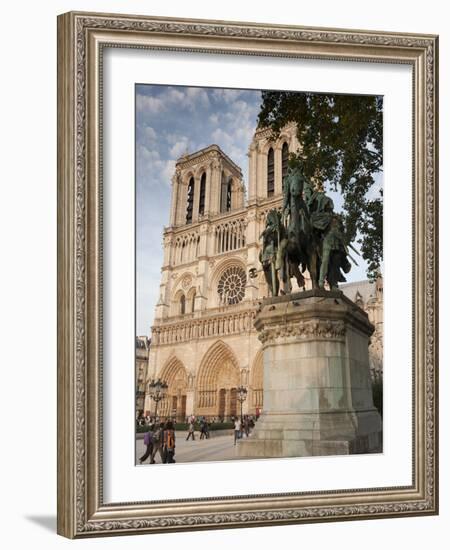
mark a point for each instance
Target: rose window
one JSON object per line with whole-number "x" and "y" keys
{"x": 231, "y": 286}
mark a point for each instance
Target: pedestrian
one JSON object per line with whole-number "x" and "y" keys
{"x": 246, "y": 426}
{"x": 237, "y": 429}
{"x": 191, "y": 430}
{"x": 148, "y": 442}
{"x": 169, "y": 443}
{"x": 158, "y": 443}
{"x": 203, "y": 429}
{"x": 206, "y": 429}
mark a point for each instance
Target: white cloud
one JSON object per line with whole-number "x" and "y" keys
{"x": 187, "y": 98}
{"x": 147, "y": 155}
{"x": 150, "y": 104}
{"x": 198, "y": 96}
{"x": 244, "y": 135}
{"x": 242, "y": 107}
{"x": 234, "y": 147}
{"x": 152, "y": 170}
{"x": 175, "y": 95}
{"x": 227, "y": 95}
{"x": 168, "y": 170}
{"x": 171, "y": 138}
{"x": 221, "y": 136}
{"x": 214, "y": 118}
{"x": 179, "y": 147}
{"x": 150, "y": 133}
{"x": 241, "y": 113}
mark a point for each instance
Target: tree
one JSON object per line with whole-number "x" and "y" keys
{"x": 342, "y": 147}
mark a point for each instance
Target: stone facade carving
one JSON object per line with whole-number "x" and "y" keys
{"x": 186, "y": 281}
{"x": 305, "y": 330}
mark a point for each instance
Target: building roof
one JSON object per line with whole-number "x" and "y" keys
{"x": 366, "y": 289}
{"x": 142, "y": 342}
{"x": 187, "y": 157}
{"x": 264, "y": 131}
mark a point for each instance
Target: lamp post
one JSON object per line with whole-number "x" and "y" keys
{"x": 157, "y": 390}
{"x": 242, "y": 396}
{"x": 140, "y": 396}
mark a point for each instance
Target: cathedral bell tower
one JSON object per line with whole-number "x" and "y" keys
{"x": 205, "y": 185}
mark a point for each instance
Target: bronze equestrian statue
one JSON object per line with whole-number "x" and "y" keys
{"x": 306, "y": 235}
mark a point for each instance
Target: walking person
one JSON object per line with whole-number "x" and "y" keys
{"x": 203, "y": 429}
{"x": 148, "y": 442}
{"x": 246, "y": 426}
{"x": 237, "y": 429}
{"x": 191, "y": 430}
{"x": 158, "y": 443}
{"x": 169, "y": 443}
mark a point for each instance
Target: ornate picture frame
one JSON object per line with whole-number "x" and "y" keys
{"x": 82, "y": 37}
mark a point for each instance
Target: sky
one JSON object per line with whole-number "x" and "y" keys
{"x": 170, "y": 121}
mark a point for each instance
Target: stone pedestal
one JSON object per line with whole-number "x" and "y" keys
{"x": 317, "y": 389}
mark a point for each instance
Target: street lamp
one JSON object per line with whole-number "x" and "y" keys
{"x": 242, "y": 396}
{"x": 157, "y": 390}
{"x": 140, "y": 396}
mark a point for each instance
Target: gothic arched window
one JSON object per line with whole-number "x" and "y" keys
{"x": 190, "y": 201}
{"x": 284, "y": 160}
{"x": 229, "y": 189}
{"x": 201, "y": 203}
{"x": 270, "y": 172}
{"x": 225, "y": 196}
{"x": 182, "y": 304}
{"x": 193, "y": 301}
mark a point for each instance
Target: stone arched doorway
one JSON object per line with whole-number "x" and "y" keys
{"x": 174, "y": 404}
{"x": 217, "y": 383}
{"x": 256, "y": 384}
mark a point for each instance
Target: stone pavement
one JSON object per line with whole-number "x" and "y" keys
{"x": 205, "y": 450}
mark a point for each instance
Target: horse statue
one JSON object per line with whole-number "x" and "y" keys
{"x": 302, "y": 247}
{"x": 307, "y": 235}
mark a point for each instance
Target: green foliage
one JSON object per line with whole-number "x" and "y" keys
{"x": 342, "y": 140}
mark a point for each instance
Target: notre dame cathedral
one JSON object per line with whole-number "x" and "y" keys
{"x": 203, "y": 343}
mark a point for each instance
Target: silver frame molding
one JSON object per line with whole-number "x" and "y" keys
{"x": 81, "y": 38}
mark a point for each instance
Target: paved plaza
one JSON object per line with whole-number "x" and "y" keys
{"x": 220, "y": 447}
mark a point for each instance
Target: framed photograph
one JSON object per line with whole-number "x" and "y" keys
{"x": 247, "y": 284}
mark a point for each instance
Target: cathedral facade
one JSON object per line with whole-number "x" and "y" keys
{"x": 203, "y": 342}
